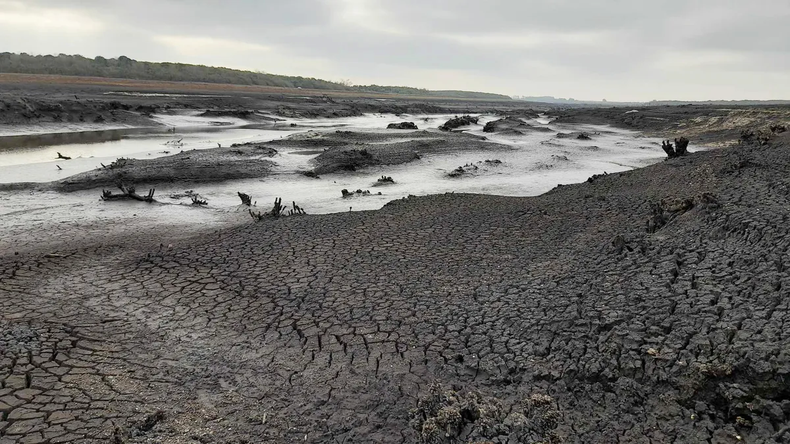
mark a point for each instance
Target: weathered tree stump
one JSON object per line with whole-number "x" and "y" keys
{"x": 681, "y": 146}
{"x": 666, "y": 145}
{"x": 297, "y": 210}
{"x": 679, "y": 149}
{"x": 278, "y": 210}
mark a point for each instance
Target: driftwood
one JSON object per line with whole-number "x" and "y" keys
{"x": 128, "y": 193}
{"x": 246, "y": 199}
{"x": 61, "y": 156}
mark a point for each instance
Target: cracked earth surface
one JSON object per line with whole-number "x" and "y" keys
{"x": 330, "y": 328}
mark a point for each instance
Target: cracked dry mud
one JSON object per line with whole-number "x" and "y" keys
{"x": 333, "y": 328}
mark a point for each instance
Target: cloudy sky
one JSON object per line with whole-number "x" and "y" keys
{"x": 585, "y": 49}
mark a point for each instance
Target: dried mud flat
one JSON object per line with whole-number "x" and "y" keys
{"x": 645, "y": 306}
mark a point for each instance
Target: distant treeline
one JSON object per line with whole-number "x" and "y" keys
{"x": 125, "y": 68}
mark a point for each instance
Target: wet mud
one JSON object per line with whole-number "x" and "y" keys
{"x": 350, "y": 150}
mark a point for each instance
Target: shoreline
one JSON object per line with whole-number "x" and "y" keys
{"x": 171, "y": 174}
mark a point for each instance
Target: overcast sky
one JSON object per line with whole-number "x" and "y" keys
{"x": 585, "y": 49}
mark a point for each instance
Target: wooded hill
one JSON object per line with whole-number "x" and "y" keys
{"x": 125, "y": 68}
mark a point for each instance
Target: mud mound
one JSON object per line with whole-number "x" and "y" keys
{"x": 512, "y": 126}
{"x": 329, "y": 139}
{"x": 447, "y": 416}
{"x": 402, "y": 126}
{"x": 212, "y": 165}
{"x": 27, "y": 110}
{"x": 578, "y": 135}
{"x": 458, "y": 122}
{"x": 359, "y": 155}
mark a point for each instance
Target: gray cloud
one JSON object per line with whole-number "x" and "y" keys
{"x": 617, "y": 49}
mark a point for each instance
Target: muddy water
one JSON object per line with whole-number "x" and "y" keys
{"x": 532, "y": 164}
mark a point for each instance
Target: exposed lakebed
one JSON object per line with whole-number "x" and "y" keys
{"x": 512, "y": 164}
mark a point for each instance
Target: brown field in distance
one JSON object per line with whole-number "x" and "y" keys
{"x": 203, "y": 88}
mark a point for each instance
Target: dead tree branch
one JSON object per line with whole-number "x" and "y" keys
{"x": 128, "y": 193}
{"x": 246, "y": 199}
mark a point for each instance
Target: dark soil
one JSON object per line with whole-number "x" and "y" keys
{"x": 644, "y": 306}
